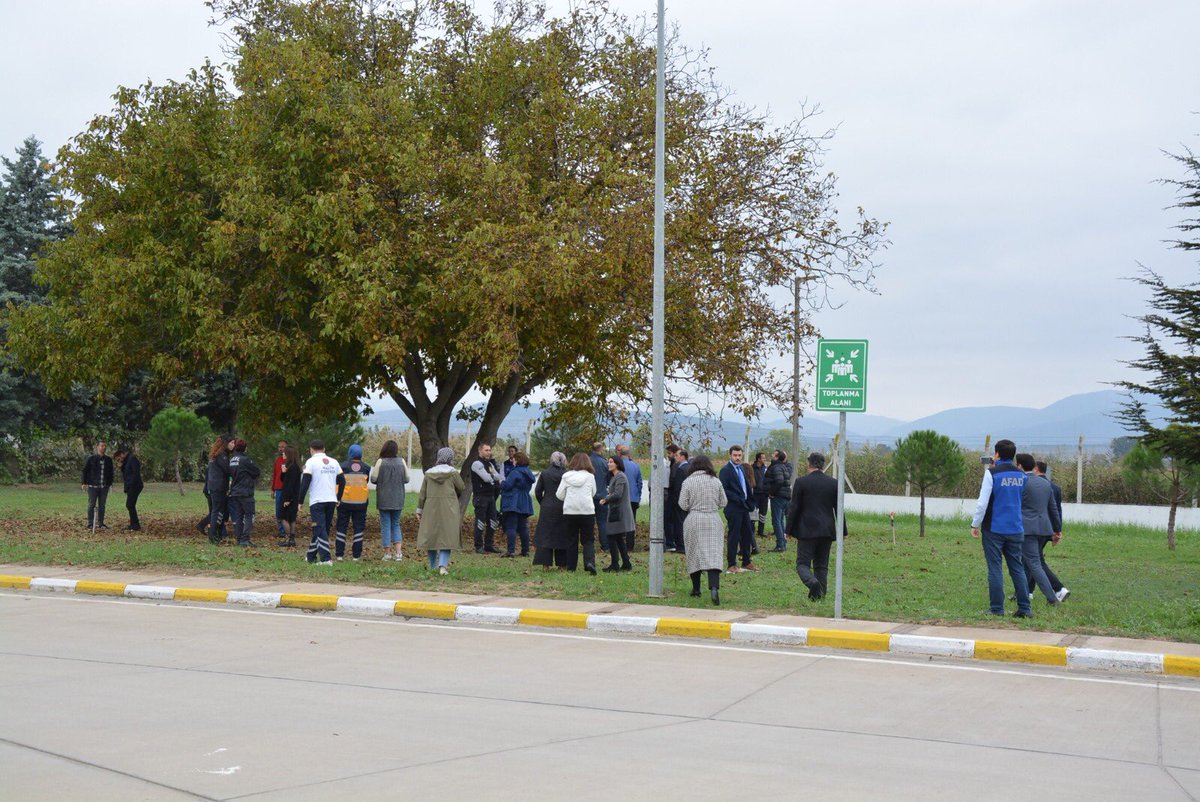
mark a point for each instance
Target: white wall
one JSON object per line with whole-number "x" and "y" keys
{"x": 1153, "y": 517}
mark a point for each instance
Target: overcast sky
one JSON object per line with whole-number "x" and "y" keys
{"x": 1013, "y": 146}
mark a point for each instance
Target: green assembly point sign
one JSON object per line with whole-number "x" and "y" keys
{"x": 841, "y": 375}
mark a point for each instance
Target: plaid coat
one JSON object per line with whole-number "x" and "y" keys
{"x": 703, "y": 530}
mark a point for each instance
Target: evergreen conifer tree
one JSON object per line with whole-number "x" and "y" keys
{"x": 1172, "y": 343}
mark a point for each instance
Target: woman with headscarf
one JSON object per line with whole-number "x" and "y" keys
{"x": 515, "y": 504}
{"x": 439, "y": 516}
{"x": 702, "y": 497}
{"x": 550, "y": 538}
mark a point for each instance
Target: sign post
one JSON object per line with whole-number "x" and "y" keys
{"x": 841, "y": 388}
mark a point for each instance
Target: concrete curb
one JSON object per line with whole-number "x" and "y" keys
{"x": 901, "y": 644}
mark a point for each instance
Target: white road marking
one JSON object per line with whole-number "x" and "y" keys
{"x": 308, "y": 618}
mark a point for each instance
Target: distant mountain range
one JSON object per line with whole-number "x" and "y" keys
{"x": 1055, "y": 427}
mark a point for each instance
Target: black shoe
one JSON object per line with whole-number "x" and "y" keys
{"x": 591, "y": 569}
{"x": 816, "y": 592}
{"x": 523, "y": 554}
{"x": 508, "y": 554}
{"x": 716, "y": 596}
{"x": 101, "y": 526}
{"x": 202, "y": 529}
{"x": 778, "y": 550}
{"x": 248, "y": 544}
{"x": 1019, "y": 614}
{"x": 479, "y": 551}
{"x": 754, "y": 551}
{"x": 612, "y": 569}
{"x": 626, "y": 567}
{"x": 490, "y": 550}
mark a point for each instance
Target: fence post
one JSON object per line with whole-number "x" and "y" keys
{"x": 1079, "y": 473}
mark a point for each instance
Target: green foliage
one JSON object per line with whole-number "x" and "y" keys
{"x": 776, "y": 439}
{"x": 1172, "y": 480}
{"x": 927, "y": 460}
{"x": 569, "y": 437}
{"x": 338, "y": 433}
{"x": 1172, "y": 346}
{"x": 486, "y": 181}
{"x": 176, "y": 435}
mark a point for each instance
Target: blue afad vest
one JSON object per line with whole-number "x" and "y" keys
{"x": 1003, "y": 515}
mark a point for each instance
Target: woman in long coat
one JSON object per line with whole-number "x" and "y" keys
{"x": 439, "y": 516}
{"x": 702, "y": 497}
{"x": 617, "y": 506}
{"x": 550, "y": 538}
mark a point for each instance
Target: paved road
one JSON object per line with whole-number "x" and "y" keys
{"x": 113, "y": 699}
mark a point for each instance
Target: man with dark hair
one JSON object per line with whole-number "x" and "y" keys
{"x": 1039, "y": 518}
{"x": 679, "y": 469}
{"x": 600, "y": 472}
{"x": 323, "y": 475}
{"x": 812, "y": 521}
{"x": 779, "y": 494}
{"x": 998, "y": 516}
{"x": 1060, "y": 592}
{"x": 96, "y": 479}
{"x": 738, "y": 503}
{"x": 485, "y": 485}
{"x": 670, "y": 511}
{"x": 352, "y": 511}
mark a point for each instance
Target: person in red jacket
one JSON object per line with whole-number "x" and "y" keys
{"x": 277, "y": 489}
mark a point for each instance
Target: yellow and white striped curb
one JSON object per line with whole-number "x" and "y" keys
{"x": 901, "y": 644}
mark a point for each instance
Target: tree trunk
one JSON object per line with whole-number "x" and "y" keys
{"x": 1171, "y": 523}
{"x": 178, "y": 473}
{"x": 922, "y": 512}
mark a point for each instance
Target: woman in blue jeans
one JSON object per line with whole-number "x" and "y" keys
{"x": 515, "y": 504}
{"x": 390, "y": 475}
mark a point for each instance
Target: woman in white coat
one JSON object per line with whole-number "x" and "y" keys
{"x": 577, "y": 491}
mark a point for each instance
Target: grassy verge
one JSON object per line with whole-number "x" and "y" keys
{"x": 1123, "y": 580}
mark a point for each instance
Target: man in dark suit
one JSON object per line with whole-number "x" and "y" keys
{"x": 812, "y": 520}
{"x": 739, "y": 500}
{"x": 679, "y": 469}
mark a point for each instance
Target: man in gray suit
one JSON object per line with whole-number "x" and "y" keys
{"x": 1040, "y": 518}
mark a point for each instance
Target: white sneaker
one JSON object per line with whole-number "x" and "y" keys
{"x": 357, "y": 559}
{"x": 1031, "y": 597}
{"x": 399, "y": 556}
{"x": 324, "y": 562}
{"x": 1062, "y": 594}
{"x": 387, "y": 555}
{"x": 339, "y": 559}
{"x": 443, "y": 570}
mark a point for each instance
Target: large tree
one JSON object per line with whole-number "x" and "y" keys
{"x": 1172, "y": 345}
{"x": 408, "y": 199}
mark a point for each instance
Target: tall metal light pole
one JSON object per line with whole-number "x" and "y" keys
{"x": 656, "y": 429}
{"x": 796, "y": 376}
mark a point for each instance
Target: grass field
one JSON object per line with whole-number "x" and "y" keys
{"x": 1123, "y": 580}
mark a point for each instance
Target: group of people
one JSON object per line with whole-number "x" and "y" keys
{"x": 99, "y": 473}
{"x": 591, "y": 498}
{"x": 1018, "y": 513}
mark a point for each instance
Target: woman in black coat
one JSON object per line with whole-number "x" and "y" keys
{"x": 551, "y": 538}
{"x": 131, "y": 476}
{"x": 289, "y": 500}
